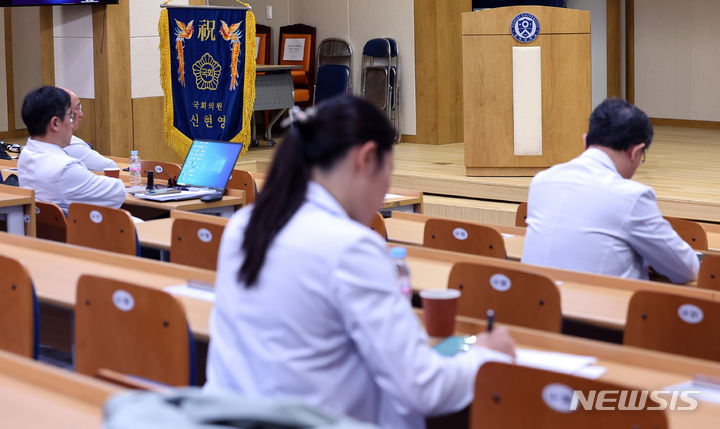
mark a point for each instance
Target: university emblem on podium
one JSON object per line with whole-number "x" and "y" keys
{"x": 525, "y": 27}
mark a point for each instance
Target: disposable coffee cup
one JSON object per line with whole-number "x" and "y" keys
{"x": 440, "y": 307}
{"x": 112, "y": 172}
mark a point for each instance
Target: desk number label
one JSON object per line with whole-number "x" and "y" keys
{"x": 96, "y": 216}
{"x": 37, "y": 210}
{"x": 26, "y": 218}
{"x": 123, "y": 300}
{"x": 204, "y": 235}
{"x": 500, "y": 282}
{"x": 460, "y": 233}
{"x": 558, "y": 397}
{"x": 690, "y": 313}
{"x": 158, "y": 169}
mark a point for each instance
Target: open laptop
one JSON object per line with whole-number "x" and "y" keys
{"x": 206, "y": 170}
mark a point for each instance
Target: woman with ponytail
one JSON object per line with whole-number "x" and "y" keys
{"x": 307, "y": 303}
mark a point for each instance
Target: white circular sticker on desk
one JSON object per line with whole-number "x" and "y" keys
{"x": 204, "y": 235}
{"x": 159, "y": 169}
{"x": 500, "y": 282}
{"x": 460, "y": 233}
{"x": 95, "y": 216}
{"x": 123, "y": 300}
{"x": 26, "y": 218}
{"x": 558, "y": 397}
{"x": 690, "y": 313}
{"x": 37, "y": 210}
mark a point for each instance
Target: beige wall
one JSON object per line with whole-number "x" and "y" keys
{"x": 3, "y": 76}
{"x": 677, "y": 58}
{"x": 27, "y": 73}
{"x": 73, "y": 43}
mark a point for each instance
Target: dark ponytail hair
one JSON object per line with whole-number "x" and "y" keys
{"x": 317, "y": 138}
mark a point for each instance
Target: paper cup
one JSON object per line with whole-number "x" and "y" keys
{"x": 439, "y": 307}
{"x": 112, "y": 172}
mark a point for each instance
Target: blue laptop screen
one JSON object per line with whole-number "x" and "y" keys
{"x": 209, "y": 164}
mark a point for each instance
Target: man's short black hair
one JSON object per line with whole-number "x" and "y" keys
{"x": 40, "y": 105}
{"x": 619, "y": 125}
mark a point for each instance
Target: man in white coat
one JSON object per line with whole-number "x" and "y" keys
{"x": 588, "y": 215}
{"x": 78, "y": 148}
{"x": 43, "y": 166}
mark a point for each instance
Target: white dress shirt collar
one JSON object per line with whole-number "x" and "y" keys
{"x": 601, "y": 157}
{"x": 319, "y": 196}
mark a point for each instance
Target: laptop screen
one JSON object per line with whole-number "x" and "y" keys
{"x": 209, "y": 164}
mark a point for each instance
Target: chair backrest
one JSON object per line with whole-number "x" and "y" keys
{"x": 516, "y": 297}
{"x": 331, "y": 80}
{"x": 161, "y": 170}
{"x": 521, "y": 215}
{"x": 195, "y": 243}
{"x": 241, "y": 179}
{"x": 673, "y": 324}
{"x": 50, "y": 222}
{"x": 334, "y": 51}
{"x": 263, "y": 34}
{"x": 377, "y": 224}
{"x": 465, "y": 237}
{"x": 709, "y": 276}
{"x": 19, "y": 325}
{"x": 515, "y": 396}
{"x": 103, "y": 228}
{"x": 690, "y": 231}
{"x": 291, "y": 36}
{"x": 133, "y": 330}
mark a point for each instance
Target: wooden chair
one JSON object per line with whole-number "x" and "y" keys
{"x": 690, "y": 231}
{"x": 465, "y": 237}
{"x": 50, "y": 222}
{"x": 132, "y": 330}
{"x": 304, "y": 78}
{"x": 241, "y": 179}
{"x": 521, "y": 215}
{"x": 161, "y": 170}
{"x": 514, "y": 396}
{"x": 19, "y": 326}
{"x": 673, "y": 324}
{"x": 377, "y": 224}
{"x": 195, "y": 243}
{"x": 709, "y": 276}
{"x": 103, "y": 228}
{"x": 517, "y": 297}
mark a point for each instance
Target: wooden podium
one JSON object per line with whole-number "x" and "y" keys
{"x": 526, "y": 104}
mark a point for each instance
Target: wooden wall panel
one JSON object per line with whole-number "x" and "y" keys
{"x": 148, "y": 132}
{"x": 47, "y": 46}
{"x": 87, "y": 126}
{"x": 614, "y": 61}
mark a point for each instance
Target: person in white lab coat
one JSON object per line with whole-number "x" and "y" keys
{"x": 588, "y": 215}
{"x": 308, "y": 304}
{"x": 45, "y": 167}
{"x": 78, "y": 148}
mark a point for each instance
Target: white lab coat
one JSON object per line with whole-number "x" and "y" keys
{"x": 58, "y": 178}
{"x": 582, "y": 215}
{"x": 79, "y": 149}
{"x": 326, "y": 323}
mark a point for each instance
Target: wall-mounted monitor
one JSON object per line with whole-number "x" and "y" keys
{"x": 7, "y": 3}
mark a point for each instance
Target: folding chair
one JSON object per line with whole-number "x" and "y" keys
{"x": 465, "y": 237}
{"x": 513, "y": 396}
{"x": 243, "y": 180}
{"x": 133, "y": 330}
{"x": 673, "y": 324}
{"x": 380, "y": 77}
{"x": 161, "y": 170}
{"x": 103, "y": 228}
{"x": 521, "y": 215}
{"x": 19, "y": 324}
{"x": 690, "y": 231}
{"x": 297, "y": 47}
{"x": 709, "y": 276}
{"x": 377, "y": 224}
{"x": 517, "y": 297}
{"x": 50, "y": 222}
{"x": 334, "y": 69}
{"x": 195, "y": 243}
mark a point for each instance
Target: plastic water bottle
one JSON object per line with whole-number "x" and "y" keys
{"x": 398, "y": 255}
{"x": 135, "y": 179}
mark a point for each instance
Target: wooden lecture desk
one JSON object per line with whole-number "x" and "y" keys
{"x": 588, "y": 298}
{"x": 34, "y": 395}
{"x": 17, "y": 207}
{"x": 226, "y": 207}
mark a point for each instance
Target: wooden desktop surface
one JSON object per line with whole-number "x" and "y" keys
{"x": 38, "y": 396}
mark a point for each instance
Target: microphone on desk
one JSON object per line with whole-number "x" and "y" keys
{"x": 150, "y": 180}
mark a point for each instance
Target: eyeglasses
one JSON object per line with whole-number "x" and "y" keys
{"x": 71, "y": 114}
{"x": 79, "y": 106}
